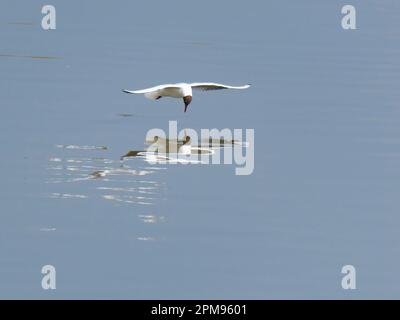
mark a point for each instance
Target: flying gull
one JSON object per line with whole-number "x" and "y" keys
{"x": 181, "y": 90}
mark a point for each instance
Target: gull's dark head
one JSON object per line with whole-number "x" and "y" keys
{"x": 187, "y": 100}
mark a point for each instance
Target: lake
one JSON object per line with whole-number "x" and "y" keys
{"x": 324, "y": 193}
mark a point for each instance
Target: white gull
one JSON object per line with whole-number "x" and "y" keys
{"x": 181, "y": 90}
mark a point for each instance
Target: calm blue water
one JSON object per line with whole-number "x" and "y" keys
{"x": 324, "y": 104}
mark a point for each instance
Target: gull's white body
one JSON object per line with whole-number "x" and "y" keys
{"x": 181, "y": 90}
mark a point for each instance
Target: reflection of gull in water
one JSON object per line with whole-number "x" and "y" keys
{"x": 163, "y": 145}
{"x": 220, "y": 142}
{"x": 181, "y": 90}
{"x": 162, "y": 150}
{"x": 132, "y": 153}
{"x": 118, "y": 180}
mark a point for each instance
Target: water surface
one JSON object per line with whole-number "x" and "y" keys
{"x": 324, "y": 104}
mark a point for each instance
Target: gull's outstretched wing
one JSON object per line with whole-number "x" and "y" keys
{"x": 148, "y": 90}
{"x": 153, "y": 92}
{"x": 215, "y": 86}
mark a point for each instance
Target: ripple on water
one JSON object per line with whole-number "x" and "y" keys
{"x": 102, "y": 177}
{"x": 77, "y": 147}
